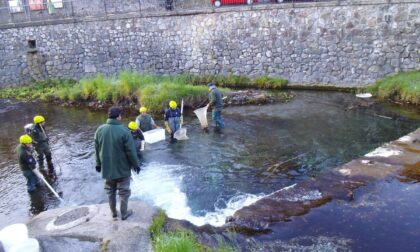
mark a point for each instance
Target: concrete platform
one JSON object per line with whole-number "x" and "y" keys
{"x": 91, "y": 228}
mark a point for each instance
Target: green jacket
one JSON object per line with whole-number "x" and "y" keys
{"x": 115, "y": 150}
{"x": 25, "y": 158}
{"x": 216, "y": 99}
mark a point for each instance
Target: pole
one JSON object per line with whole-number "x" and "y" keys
{"x": 39, "y": 175}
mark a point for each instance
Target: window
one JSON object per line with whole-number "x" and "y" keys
{"x": 36, "y": 5}
{"x": 15, "y": 6}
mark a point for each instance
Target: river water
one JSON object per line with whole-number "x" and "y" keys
{"x": 211, "y": 175}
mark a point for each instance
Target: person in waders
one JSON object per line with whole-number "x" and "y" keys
{"x": 116, "y": 155}
{"x": 145, "y": 121}
{"x": 173, "y": 119}
{"x": 138, "y": 137}
{"x": 41, "y": 142}
{"x": 27, "y": 162}
{"x": 216, "y": 103}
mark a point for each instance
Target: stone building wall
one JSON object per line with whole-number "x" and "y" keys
{"x": 331, "y": 43}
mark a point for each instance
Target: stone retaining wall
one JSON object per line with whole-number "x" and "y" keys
{"x": 331, "y": 43}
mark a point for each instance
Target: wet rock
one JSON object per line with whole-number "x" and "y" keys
{"x": 229, "y": 219}
{"x": 411, "y": 172}
{"x": 303, "y": 243}
{"x": 99, "y": 231}
{"x": 65, "y": 244}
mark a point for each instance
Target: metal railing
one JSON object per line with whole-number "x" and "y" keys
{"x": 98, "y": 8}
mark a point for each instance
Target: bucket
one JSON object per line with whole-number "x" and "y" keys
{"x": 153, "y": 136}
{"x": 201, "y": 113}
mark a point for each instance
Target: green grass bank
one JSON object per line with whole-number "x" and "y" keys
{"x": 400, "y": 88}
{"x": 179, "y": 239}
{"x": 130, "y": 88}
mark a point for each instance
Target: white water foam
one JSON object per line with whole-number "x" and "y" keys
{"x": 383, "y": 152}
{"x": 160, "y": 185}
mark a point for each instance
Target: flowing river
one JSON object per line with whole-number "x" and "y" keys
{"x": 211, "y": 175}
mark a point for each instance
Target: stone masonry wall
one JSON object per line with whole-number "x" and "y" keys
{"x": 331, "y": 43}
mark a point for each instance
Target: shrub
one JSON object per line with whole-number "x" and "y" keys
{"x": 265, "y": 82}
{"x": 402, "y": 87}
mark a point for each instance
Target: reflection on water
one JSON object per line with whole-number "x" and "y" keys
{"x": 208, "y": 177}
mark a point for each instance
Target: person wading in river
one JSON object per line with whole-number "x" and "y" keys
{"x": 138, "y": 137}
{"x": 41, "y": 142}
{"x": 145, "y": 121}
{"x": 27, "y": 162}
{"x": 216, "y": 103}
{"x": 116, "y": 154}
{"x": 173, "y": 118}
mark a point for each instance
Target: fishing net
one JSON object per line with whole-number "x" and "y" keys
{"x": 201, "y": 113}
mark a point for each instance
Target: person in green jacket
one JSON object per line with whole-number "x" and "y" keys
{"x": 116, "y": 154}
{"x": 216, "y": 103}
{"x": 27, "y": 162}
{"x": 145, "y": 121}
{"x": 41, "y": 142}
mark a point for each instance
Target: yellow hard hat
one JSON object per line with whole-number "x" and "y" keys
{"x": 143, "y": 110}
{"x": 133, "y": 126}
{"x": 25, "y": 139}
{"x": 39, "y": 119}
{"x": 172, "y": 104}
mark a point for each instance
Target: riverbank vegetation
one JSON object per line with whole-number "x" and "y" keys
{"x": 399, "y": 88}
{"x": 132, "y": 88}
{"x": 179, "y": 239}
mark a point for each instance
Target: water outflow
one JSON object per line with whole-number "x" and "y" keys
{"x": 159, "y": 185}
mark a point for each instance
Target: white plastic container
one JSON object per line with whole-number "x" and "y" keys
{"x": 28, "y": 245}
{"x": 13, "y": 235}
{"x": 364, "y": 95}
{"x": 154, "y": 136}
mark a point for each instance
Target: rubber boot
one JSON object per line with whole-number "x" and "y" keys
{"x": 41, "y": 163}
{"x": 113, "y": 206}
{"x": 123, "y": 208}
{"x": 49, "y": 163}
{"x": 50, "y": 166}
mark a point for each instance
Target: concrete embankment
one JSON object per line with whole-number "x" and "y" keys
{"x": 91, "y": 228}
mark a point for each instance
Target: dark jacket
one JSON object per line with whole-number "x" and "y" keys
{"x": 38, "y": 134}
{"x": 216, "y": 99}
{"x": 115, "y": 150}
{"x": 25, "y": 158}
{"x": 172, "y": 113}
{"x": 137, "y": 135}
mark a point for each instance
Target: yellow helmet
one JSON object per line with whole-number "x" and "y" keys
{"x": 25, "y": 139}
{"x": 143, "y": 110}
{"x": 172, "y": 104}
{"x": 133, "y": 126}
{"x": 39, "y": 119}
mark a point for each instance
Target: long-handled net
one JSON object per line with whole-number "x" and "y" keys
{"x": 201, "y": 113}
{"x": 181, "y": 133}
